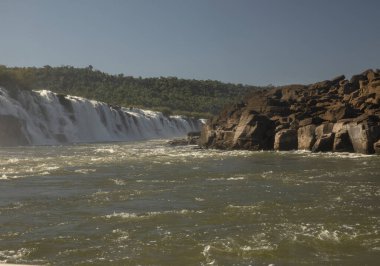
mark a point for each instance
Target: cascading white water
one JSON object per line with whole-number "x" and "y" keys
{"x": 47, "y": 118}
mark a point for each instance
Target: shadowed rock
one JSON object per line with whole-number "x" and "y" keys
{"x": 286, "y": 140}
{"x": 342, "y": 142}
{"x": 324, "y": 143}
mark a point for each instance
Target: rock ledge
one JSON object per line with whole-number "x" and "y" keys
{"x": 333, "y": 115}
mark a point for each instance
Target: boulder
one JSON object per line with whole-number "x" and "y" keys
{"x": 311, "y": 120}
{"x": 207, "y": 137}
{"x": 254, "y": 132}
{"x": 363, "y": 136}
{"x": 356, "y": 78}
{"x": 338, "y": 112}
{"x": 332, "y": 115}
{"x": 178, "y": 142}
{"x": 286, "y": 140}
{"x": 346, "y": 88}
{"x": 193, "y": 137}
{"x": 338, "y": 79}
{"x": 224, "y": 139}
{"x": 323, "y": 129}
{"x": 376, "y": 147}
{"x": 306, "y": 137}
{"x": 342, "y": 142}
{"x": 324, "y": 143}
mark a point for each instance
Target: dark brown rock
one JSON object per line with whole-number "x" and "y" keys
{"x": 346, "y": 88}
{"x": 338, "y": 112}
{"x": 332, "y": 115}
{"x": 342, "y": 142}
{"x": 356, "y": 78}
{"x": 337, "y": 79}
{"x": 376, "y": 147}
{"x": 286, "y": 140}
{"x": 309, "y": 121}
{"x": 254, "y": 132}
{"x": 324, "y": 143}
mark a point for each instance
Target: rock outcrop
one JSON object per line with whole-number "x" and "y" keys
{"x": 333, "y": 115}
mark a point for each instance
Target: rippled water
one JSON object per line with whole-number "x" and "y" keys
{"x": 146, "y": 203}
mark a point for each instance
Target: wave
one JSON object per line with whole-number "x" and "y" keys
{"x": 147, "y": 215}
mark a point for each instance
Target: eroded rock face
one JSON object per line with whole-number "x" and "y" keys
{"x": 333, "y": 115}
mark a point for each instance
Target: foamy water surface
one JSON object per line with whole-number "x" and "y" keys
{"x": 146, "y": 203}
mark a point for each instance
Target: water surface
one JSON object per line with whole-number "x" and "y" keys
{"x": 145, "y": 203}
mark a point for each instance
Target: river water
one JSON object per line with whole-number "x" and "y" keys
{"x": 146, "y": 203}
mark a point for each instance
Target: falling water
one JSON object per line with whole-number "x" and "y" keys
{"x": 47, "y": 118}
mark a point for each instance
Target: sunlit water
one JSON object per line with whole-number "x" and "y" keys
{"x": 146, "y": 203}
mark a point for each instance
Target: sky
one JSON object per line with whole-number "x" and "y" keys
{"x": 256, "y": 42}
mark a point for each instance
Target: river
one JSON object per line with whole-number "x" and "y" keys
{"x": 146, "y": 203}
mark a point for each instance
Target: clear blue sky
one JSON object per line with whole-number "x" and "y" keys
{"x": 241, "y": 41}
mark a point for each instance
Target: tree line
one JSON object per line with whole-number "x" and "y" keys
{"x": 170, "y": 95}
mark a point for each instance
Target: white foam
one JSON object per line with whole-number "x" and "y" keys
{"x": 15, "y": 254}
{"x": 119, "y": 182}
{"x": 131, "y": 215}
{"x": 328, "y": 235}
{"x": 84, "y": 171}
{"x": 236, "y": 178}
{"x": 48, "y": 120}
{"x": 232, "y": 178}
{"x": 265, "y": 174}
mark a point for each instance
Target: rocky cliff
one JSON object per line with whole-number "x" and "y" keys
{"x": 334, "y": 115}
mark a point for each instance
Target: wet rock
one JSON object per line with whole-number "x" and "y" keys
{"x": 178, "y": 142}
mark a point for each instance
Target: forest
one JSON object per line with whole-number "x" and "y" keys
{"x": 170, "y": 95}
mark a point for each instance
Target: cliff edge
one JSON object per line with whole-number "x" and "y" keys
{"x": 337, "y": 115}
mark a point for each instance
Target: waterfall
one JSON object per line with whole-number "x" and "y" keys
{"x": 46, "y": 118}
